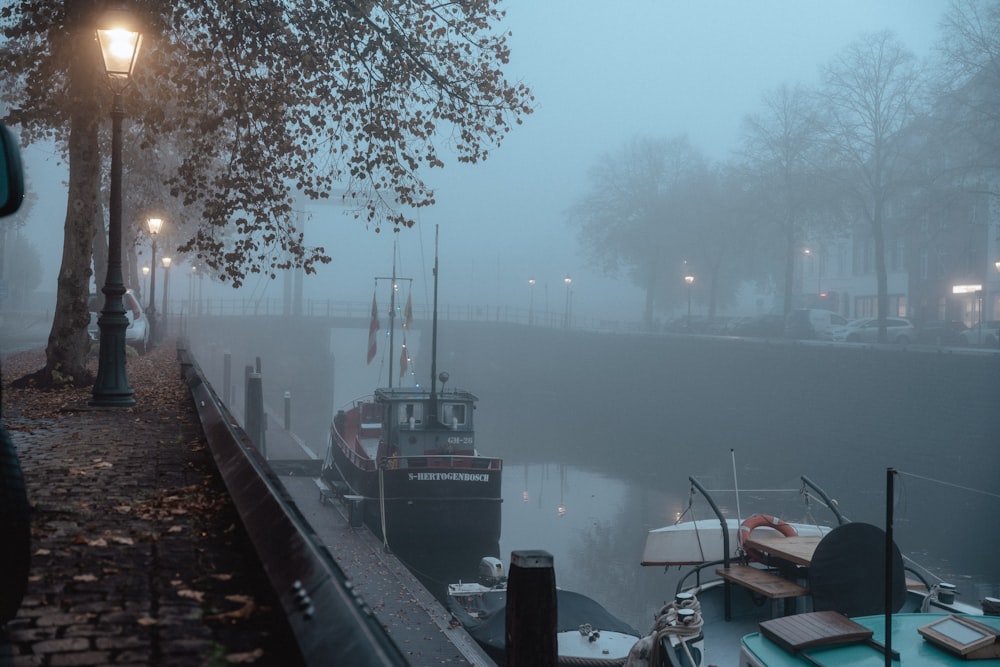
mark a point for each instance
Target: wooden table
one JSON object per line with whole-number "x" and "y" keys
{"x": 797, "y": 549}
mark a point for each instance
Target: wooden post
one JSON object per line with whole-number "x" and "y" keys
{"x": 227, "y": 372}
{"x": 288, "y": 411}
{"x": 531, "y": 610}
{"x": 255, "y": 412}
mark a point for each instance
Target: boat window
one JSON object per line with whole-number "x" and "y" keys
{"x": 411, "y": 411}
{"x": 453, "y": 413}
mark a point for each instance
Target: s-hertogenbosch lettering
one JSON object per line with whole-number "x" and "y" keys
{"x": 449, "y": 476}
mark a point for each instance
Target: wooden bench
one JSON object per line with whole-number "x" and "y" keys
{"x": 760, "y": 581}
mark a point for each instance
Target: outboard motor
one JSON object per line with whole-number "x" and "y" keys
{"x": 491, "y": 572}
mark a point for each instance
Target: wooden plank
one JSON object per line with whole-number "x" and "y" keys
{"x": 797, "y": 549}
{"x": 820, "y": 628}
{"x": 760, "y": 581}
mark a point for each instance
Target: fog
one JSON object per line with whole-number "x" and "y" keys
{"x": 602, "y": 73}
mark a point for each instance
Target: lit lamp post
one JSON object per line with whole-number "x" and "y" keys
{"x": 119, "y": 47}
{"x": 568, "y": 282}
{"x": 689, "y": 279}
{"x": 531, "y": 300}
{"x": 166, "y": 286}
{"x": 815, "y": 262}
{"x": 154, "y": 228}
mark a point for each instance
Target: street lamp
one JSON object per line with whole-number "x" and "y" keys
{"x": 689, "y": 279}
{"x": 119, "y": 46}
{"x": 568, "y": 282}
{"x": 154, "y": 228}
{"x": 815, "y": 263}
{"x": 166, "y": 286}
{"x": 531, "y": 300}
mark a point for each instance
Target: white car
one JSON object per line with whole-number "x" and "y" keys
{"x": 897, "y": 329}
{"x": 136, "y": 334}
{"x": 983, "y": 334}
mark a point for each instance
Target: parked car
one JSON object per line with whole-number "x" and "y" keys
{"x": 983, "y": 334}
{"x": 941, "y": 332}
{"x": 897, "y": 330}
{"x": 761, "y": 326}
{"x": 811, "y": 323}
{"x": 136, "y": 334}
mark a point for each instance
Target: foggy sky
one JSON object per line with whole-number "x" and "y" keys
{"x": 603, "y": 74}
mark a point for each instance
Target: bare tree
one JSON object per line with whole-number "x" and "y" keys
{"x": 871, "y": 92}
{"x": 262, "y": 101}
{"x": 968, "y": 91}
{"x": 781, "y": 146}
{"x": 631, "y": 217}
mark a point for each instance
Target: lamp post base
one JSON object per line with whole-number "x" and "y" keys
{"x": 111, "y": 389}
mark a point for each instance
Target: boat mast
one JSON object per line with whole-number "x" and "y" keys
{"x": 392, "y": 311}
{"x": 434, "y": 334}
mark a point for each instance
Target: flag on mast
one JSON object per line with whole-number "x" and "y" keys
{"x": 373, "y": 332}
{"x": 403, "y": 360}
{"x": 408, "y": 312}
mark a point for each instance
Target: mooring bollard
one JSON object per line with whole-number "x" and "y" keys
{"x": 288, "y": 411}
{"x": 531, "y": 610}
{"x": 227, "y": 371}
{"x": 255, "y": 412}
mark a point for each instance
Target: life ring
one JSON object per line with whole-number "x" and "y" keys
{"x": 760, "y": 521}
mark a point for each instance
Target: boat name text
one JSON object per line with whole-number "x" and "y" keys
{"x": 450, "y": 476}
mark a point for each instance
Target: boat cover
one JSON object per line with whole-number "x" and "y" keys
{"x": 847, "y": 573}
{"x": 573, "y": 610}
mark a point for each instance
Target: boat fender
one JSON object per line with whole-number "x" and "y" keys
{"x": 760, "y": 521}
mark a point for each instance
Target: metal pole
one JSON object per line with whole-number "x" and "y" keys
{"x": 166, "y": 313}
{"x": 689, "y": 307}
{"x": 151, "y": 315}
{"x": 111, "y": 389}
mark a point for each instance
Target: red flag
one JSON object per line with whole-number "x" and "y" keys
{"x": 373, "y": 332}
{"x": 403, "y": 360}
{"x": 408, "y": 311}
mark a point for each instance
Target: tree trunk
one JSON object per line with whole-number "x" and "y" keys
{"x": 68, "y": 344}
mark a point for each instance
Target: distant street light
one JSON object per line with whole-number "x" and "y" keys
{"x": 689, "y": 279}
{"x": 166, "y": 286}
{"x": 809, "y": 253}
{"x": 155, "y": 224}
{"x": 568, "y": 282}
{"x": 119, "y": 48}
{"x": 531, "y": 300}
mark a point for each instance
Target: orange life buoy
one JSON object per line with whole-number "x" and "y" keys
{"x": 759, "y": 521}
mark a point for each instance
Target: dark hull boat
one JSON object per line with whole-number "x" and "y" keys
{"x": 410, "y": 454}
{"x": 407, "y": 459}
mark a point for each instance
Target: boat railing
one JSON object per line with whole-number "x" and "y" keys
{"x": 362, "y": 462}
{"x": 695, "y": 572}
{"x": 448, "y": 461}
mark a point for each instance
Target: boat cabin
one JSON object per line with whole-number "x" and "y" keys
{"x": 415, "y": 424}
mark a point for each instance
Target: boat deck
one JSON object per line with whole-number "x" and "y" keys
{"x": 914, "y": 650}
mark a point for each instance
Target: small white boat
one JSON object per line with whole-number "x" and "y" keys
{"x": 587, "y": 634}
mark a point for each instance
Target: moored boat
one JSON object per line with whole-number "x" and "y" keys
{"x": 805, "y": 594}
{"x": 406, "y": 459}
{"x": 587, "y": 634}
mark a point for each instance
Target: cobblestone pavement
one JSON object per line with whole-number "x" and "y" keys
{"x": 138, "y": 556}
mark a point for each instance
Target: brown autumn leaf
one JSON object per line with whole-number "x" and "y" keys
{"x": 244, "y": 658}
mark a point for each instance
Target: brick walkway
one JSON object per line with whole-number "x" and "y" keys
{"x": 138, "y": 557}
